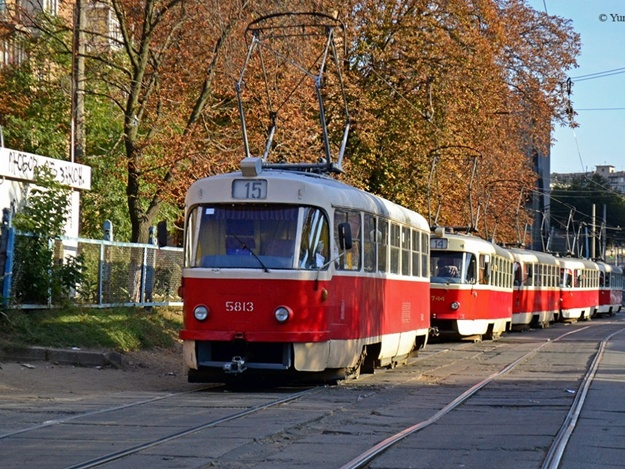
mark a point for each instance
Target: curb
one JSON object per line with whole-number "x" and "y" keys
{"x": 64, "y": 356}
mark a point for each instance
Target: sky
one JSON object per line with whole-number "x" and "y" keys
{"x": 598, "y": 100}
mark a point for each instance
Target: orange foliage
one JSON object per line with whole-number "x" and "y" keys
{"x": 470, "y": 85}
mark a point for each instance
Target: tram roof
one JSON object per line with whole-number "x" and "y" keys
{"x": 575, "y": 262}
{"x": 302, "y": 188}
{"x": 469, "y": 242}
{"x": 605, "y": 267}
{"x": 526, "y": 255}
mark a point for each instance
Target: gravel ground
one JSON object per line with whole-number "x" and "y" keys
{"x": 154, "y": 370}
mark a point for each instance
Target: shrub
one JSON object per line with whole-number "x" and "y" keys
{"x": 39, "y": 273}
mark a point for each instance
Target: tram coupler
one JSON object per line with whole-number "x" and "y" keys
{"x": 434, "y": 332}
{"x": 236, "y": 366}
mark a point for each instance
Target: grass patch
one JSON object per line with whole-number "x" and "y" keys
{"x": 121, "y": 329}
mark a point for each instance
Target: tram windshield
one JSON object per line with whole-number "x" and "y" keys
{"x": 452, "y": 267}
{"x": 257, "y": 237}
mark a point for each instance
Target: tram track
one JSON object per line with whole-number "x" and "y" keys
{"x": 555, "y": 453}
{"x": 556, "y": 450}
{"x": 369, "y": 417}
{"x": 105, "y": 410}
{"x": 95, "y": 462}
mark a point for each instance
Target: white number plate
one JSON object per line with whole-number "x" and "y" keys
{"x": 438, "y": 243}
{"x": 249, "y": 189}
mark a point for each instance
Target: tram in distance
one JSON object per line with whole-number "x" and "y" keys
{"x": 471, "y": 286}
{"x": 610, "y": 289}
{"x": 480, "y": 290}
{"x": 293, "y": 274}
{"x": 536, "y": 295}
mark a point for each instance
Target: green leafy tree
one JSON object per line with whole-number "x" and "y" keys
{"x": 40, "y": 271}
{"x": 572, "y": 207}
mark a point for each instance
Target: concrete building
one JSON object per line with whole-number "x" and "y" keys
{"x": 616, "y": 179}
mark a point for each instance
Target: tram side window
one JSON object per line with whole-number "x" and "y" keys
{"x": 350, "y": 259}
{"x": 566, "y": 278}
{"x": 382, "y": 245}
{"x": 471, "y": 267}
{"x": 370, "y": 230}
{"x": 405, "y": 250}
{"x": 395, "y": 248}
{"x": 528, "y": 278}
{"x": 485, "y": 273}
{"x": 315, "y": 244}
{"x": 496, "y": 271}
{"x": 425, "y": 254}
{"x": 556, "y": 276}
{"x": 416, "y": 253}
{"x": 536, "y": 276}
{"x": 518, "y": 274}
{"x": 592, "y": 278}
{"x": 550, "y": 276}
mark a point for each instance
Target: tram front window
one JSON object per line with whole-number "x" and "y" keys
{"x": 452, "y": 267}
{"x": 256, "y": 237}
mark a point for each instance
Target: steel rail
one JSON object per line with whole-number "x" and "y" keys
{"x": 140, "y": 447}
{"x": 49, "y": 423}
{"x": 363, "y": 459}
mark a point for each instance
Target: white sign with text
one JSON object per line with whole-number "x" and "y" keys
{"x": 21, "y": 165}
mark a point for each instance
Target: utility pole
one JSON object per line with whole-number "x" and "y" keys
{"x": 78, "y": 134}
{"x": 593, "y": 232}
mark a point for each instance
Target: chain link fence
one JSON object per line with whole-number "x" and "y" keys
{"x": 113, "y": 273}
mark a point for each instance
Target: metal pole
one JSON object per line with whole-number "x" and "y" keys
{"x": 8, "y": 266}
{"x": 78, "y": 134}
{"x": 593, "y": 232}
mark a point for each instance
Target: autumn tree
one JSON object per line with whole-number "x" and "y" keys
{"x": 454, "y": 97}
{"x": 447, "y": 101}
{"x": 34, "y": 97}
{"x": 171, "y": 76}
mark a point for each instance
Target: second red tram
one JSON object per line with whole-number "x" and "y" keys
{"x": 471, "y": 286}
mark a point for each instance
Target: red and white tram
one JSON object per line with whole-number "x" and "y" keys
{"x": 470, "y": 286}
{"x": 536, "y": 297}
{"x": 579, "y": 282}
{"x": 293, "y": 273}
{"x": 610, "y": 289}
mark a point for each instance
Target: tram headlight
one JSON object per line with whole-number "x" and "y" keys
{"x": 200, "y": 312}
{"x": 282, "y": 314}
{"x": 455, "y": 306}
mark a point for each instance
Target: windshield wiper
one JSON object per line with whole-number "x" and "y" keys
{"x": 247, "y": 248}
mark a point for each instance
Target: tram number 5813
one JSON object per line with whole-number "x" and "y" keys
{"x": 239, "y": 306}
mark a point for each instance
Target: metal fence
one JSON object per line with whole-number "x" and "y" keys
{"x": 113, "y": 273}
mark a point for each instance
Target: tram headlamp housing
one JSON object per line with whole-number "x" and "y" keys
{"x": 455, "y": 306}
{"x": 200, "y": 312}
{"x": 282, "y": 314}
